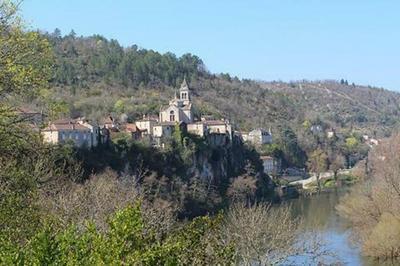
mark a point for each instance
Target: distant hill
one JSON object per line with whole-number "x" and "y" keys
{"x": 96, "y": 76}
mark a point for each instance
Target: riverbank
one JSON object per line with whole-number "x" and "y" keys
{"x": 318, "y": 213}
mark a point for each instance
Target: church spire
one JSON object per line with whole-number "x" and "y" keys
{"x": 184, "y": 83}
{"x": 184, "y": 92}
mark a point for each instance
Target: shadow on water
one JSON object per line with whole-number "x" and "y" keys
{"x": 318, "y": 213}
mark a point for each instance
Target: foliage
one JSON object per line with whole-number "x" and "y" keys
{"x": 318, "y": 163}
{"x": 81, "y": 60}
{"x": 25, "y": 57}
{"x": 25, "y": 163}
{"x": 288, "y": 143}
{"x": 243, "y": 188}
{"x": 128, "y": 240}
{"x": 264, "y": 235}
{"x": 372, "y": 208}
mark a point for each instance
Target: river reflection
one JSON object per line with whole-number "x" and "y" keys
{"x": 318, "y": 212}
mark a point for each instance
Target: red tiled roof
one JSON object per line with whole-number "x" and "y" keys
{"x": 131, "y": 128}
{"x": 65, "y": 124}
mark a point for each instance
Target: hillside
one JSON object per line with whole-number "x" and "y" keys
{"x": 96, "y": 77}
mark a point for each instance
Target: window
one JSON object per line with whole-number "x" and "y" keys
{"x": 184, "y": 96}
{"x": 172, "y": 116}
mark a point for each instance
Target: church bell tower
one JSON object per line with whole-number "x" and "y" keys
{"x": 184, "y": 93}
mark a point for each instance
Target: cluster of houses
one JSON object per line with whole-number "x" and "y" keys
{"x": 156, "y": 129}
{"x": 179, "y": 112}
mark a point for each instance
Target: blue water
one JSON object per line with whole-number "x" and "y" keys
{"x": 318, "y": 212}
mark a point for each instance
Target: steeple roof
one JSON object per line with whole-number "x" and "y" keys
{"x": 184, "y": 85}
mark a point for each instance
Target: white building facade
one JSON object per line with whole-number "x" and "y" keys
{"x": 180, "y": 109}
{"x": 259, "y": 137}
{"x": 81, "y": 133}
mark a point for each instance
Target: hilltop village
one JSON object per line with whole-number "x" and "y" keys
{"x": 157, "y": 130}
{"x": 179, "y": 112}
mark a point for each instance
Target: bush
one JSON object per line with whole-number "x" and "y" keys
{"x": 129, "y": 240}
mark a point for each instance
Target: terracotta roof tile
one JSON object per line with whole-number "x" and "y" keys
{"x": 65, "y": 124}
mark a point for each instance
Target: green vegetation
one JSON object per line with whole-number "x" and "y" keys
{"x": 81, "y": 61}
{"x": 95, "y": 77}
{"x": 126, "y": 202}
{"x": 129, "y": 240}
{"x": 51, "y": 212}
{"x": 372, "y": 207}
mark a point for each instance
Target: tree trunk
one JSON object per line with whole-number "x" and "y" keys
{"x": 318, "y": 182}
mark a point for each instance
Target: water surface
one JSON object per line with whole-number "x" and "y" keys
{"x": 319, "y": 213}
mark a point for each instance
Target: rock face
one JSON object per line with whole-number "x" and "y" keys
{"x": 219, "y": 163}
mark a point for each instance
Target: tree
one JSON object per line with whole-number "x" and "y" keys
{"x": 25, "y": 67}
{"x": 350, "y": 147}
{"x": 263, "y": 235}
{"x": 243, "y": 189}
{"x": 25, "y": 57}
{"x": 317, "y": 163}
{"x": 336, "y": 162}
{"x": 288, "y": 142}
{"x": 373, "y": 207}
{"x": 119, "y": 106}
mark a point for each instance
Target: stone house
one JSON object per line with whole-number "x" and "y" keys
{"x": 33, "y": 117}
{"x": 197, "y": 128}
{"x": 81, "y": 133}
{"x": 109, "y": 123}
{"x": 163, "y": 129}
{"x": 218, "y": 127}
{"x": 146, "y": 125}
{"x": 271, "y": 165}
{"x": 259, "y": 137}
{"x": 133, "y": 130}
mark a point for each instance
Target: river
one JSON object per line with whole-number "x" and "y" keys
{"x": 319, "y": 212}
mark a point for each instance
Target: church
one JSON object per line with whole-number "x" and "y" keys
{"x": 180, "y": 109}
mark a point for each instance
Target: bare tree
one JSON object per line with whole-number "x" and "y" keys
{"x": 373, "y": 207}
{"x": 264, "y": 235}
{"x": 336, "y": 162}
{"x": 95, "y": 200}
{"x": 242, "y": 188}
{"x": 317, "y": 163}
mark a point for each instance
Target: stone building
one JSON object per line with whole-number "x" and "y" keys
{"x": 206, "y": 127}
{"x": 132, "y": 130}
{"x": 80, "y": 132}
{"x": 218, "y": 127}
{"x": 109, "y": 123}
{"x": 180, "y": 109}
{"x": 163, "y": 129}
{"x": 146, "y": 125}
{"x": 259, "y": 137}
{"x": 272, "y": 166}
{"x": 32, "y": 117}
{"x": 197, "y": 128}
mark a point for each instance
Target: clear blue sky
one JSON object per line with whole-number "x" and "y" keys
{"x": 358, "y": 40}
